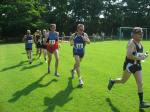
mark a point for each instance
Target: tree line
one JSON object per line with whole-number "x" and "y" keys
{"x": 16, "y": 16}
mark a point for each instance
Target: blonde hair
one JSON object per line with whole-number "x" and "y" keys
{"x": 28, "y": 31}
{"x": 80, "y": 25}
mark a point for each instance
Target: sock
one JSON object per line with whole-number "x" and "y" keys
{"x": 113, "y": 81}
{"x": 79, "y": 78}
{"x": 140, "y": 97}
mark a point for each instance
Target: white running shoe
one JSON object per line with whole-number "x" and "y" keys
{"x": 81, "y": 82}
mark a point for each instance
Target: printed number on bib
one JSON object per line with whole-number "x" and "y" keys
{"x": 79, "y": 46}
{"x": 29, "y": 41}
{"x": 52, "y": 42}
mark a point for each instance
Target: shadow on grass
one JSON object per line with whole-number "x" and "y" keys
{"x": 141, "y": 110}
{"x": 14, "y": 66}
{"x": 32, "y": 66}
{"x": 27, "y": 90}
{"x": 113, "y": 108}
{"x": 19, "y": 65}
{"x": 26, "y": 53}
{"x": 60, "y": 99}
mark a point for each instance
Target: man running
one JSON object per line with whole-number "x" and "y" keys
{"x": 132, "y": 65}
{"x": 78, "y": 40}
{"x": 28, "y": 45}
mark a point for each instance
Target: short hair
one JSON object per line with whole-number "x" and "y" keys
{"x": 44, "y": 30}
{"x": 28, "y": 31}
{"x": 137, "y": 30}
{"x": 37, "y": 30}
{"x": 51, "y": 25}
{"x": 79, "y": 25}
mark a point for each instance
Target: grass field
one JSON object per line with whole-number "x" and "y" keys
{"x": 27, "y": 88}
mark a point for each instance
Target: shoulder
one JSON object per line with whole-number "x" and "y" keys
{"x": 131, "y": 42}
{"x": 74, "y": 34}
{"x": 57, "y": 33}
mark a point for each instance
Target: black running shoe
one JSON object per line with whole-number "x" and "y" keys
{"x": 49, "y": 70}
{"x": 110, "y": 84}
{"x": 144, "y": 105}
{"x": 57, "y": 74}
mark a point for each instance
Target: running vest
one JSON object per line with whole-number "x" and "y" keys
{"x": 42, "y": 41}
{"x": 79, "y": 44}
{"x": 52, "y": 38}
{"x": 138, "y": 50}
{"x": 28, "y": 41}
{"x": 38, "y": 39}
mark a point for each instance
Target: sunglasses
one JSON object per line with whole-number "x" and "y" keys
{"x": 81, "y": 29}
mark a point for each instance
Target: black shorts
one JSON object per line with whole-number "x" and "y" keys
{"x": 28, "y": 49}
{"x": 38, "y": 45}
{"x": 130, "y": 67}
{"x": 44, "y": 46}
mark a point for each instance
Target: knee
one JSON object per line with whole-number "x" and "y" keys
{"x": 123, "y": 81}
{"x": 77, "y": 64}
{"x": 57, "y": 59}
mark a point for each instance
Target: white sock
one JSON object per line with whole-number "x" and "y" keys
{"x": 79, "y": 78}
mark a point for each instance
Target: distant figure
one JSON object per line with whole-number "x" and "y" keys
{"x": 62, "y": 36}
{"x": 97, "y": 36}
{"x": 78, "y": 40}
{"x": 28, "y": 39}
{"x": 38, "y": 40}
{"x": 43, "y": 45}
{"x": 102, "y": 35}
{"x": 94, "y": 37}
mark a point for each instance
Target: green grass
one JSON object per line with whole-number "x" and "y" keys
{"x": 27, "y": 88}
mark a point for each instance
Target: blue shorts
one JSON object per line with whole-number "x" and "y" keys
{"x": 28, "y": 47}
{"x": 80, "y": 53}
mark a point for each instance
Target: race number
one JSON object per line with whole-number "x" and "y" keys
{"x": 29, "y": 41}
{"x": 79, "y": 46}
{"x": 52, "y": 42}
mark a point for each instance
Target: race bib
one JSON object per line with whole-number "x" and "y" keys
{"x": 29, "y": 41}
{"x": 79, "y": 46}
{"x": 52, "y": 42}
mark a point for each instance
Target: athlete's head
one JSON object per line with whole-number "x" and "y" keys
{"x": 80, "y": 28}
{"x": 37, "y": 31}
{"x": 137, "y": 33}
{"x": 40, "y": 32}
{"x": 44, "y": 31}
{"x": 28, "y": 32}
{"x": 52, "y": 27}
